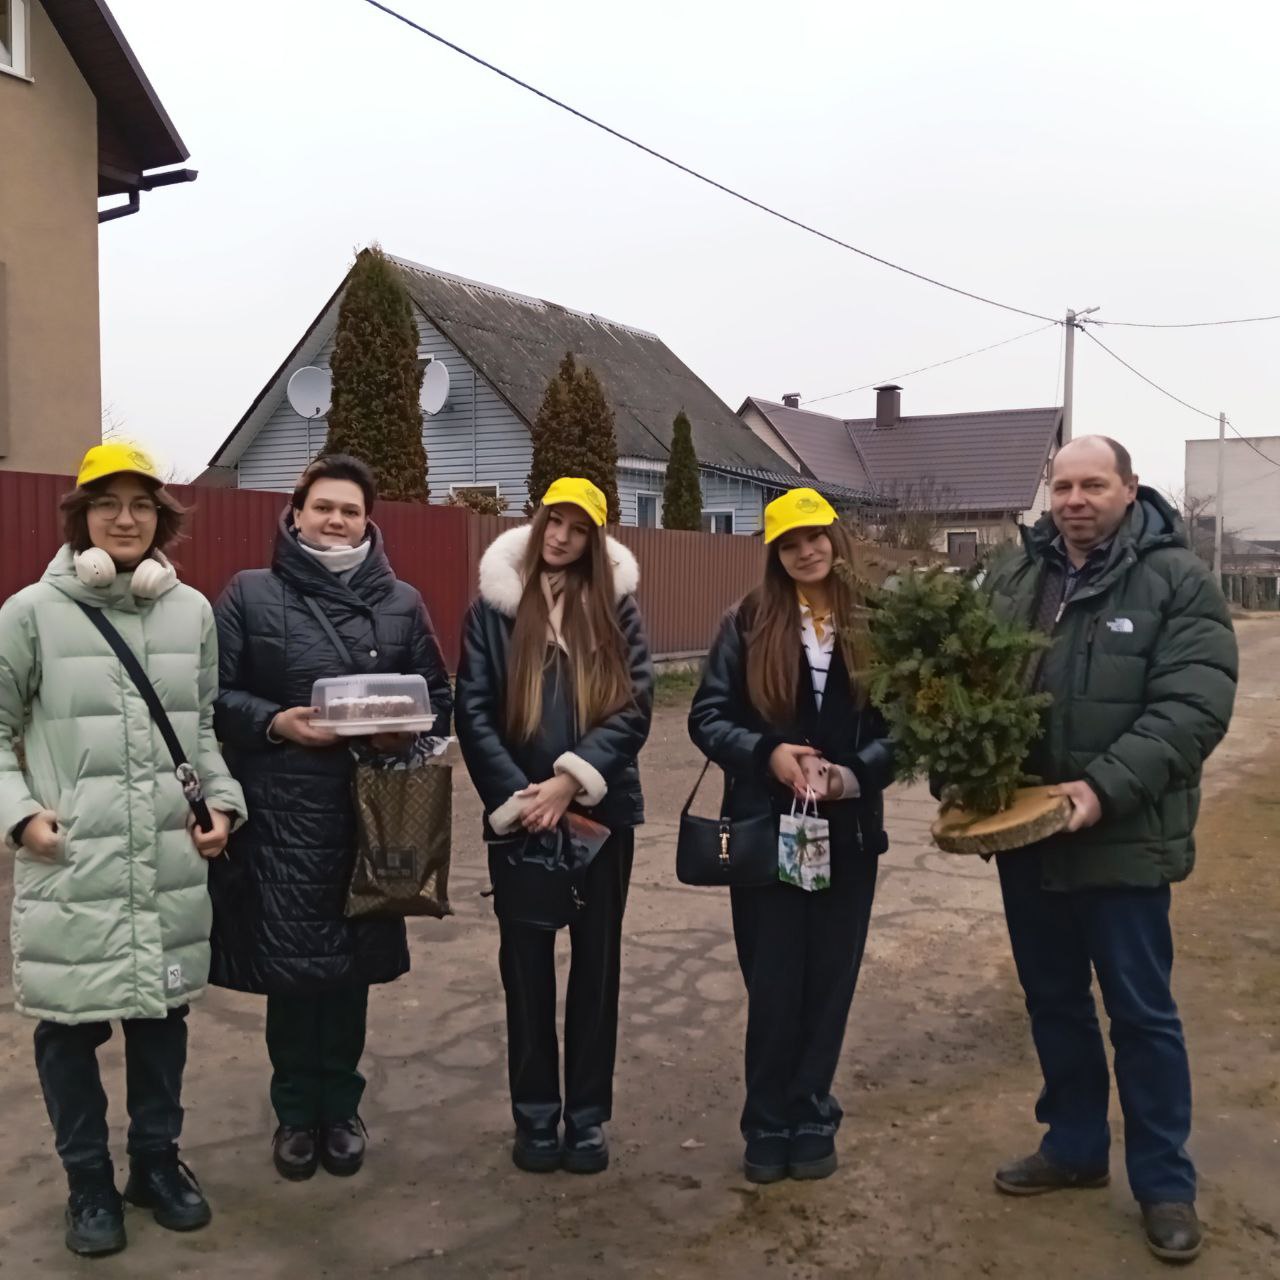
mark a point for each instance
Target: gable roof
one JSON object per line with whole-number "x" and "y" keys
{"x": 989, "y": 461}
{"x": 516, "y": 343}
{"x": 134, "y": 130}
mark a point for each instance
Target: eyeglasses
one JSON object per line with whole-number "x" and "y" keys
{"x": 109, "y": 508}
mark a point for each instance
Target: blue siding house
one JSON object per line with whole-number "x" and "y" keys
{"x": 500, "y": 350}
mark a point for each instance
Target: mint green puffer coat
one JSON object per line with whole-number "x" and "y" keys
{"x": 117, "y": 924}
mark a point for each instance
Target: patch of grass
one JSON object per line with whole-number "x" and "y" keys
{"x": 675, "y": 688}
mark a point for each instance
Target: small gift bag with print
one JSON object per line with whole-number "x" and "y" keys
{"x": 804, "y": 847}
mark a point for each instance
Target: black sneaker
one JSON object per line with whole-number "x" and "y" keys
{"x": 159, "y": 1181}
{"x": 536, "y": 1150}
{"x": 294, "y": 1152}
{"x": 765, "y": 1159}
{"x": 586, "y": 1150}
{"x": 95, "y": 1212}
{"x": 342, "y": 1146}
{"x": 1033, "y": 1175}
{"x": 1173, "y": 1231}
{"x": 812, "y": 1155}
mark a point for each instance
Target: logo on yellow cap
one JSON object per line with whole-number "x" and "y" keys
{"x": 580, "y": 493}
{"x": 797, "y": 509}
{"x": 111, "y": 459}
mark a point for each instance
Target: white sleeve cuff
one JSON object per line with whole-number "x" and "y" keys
{"x": 589, "y": 779}
{"x": 850, "y": 790}
{"x": 506, "y": 817}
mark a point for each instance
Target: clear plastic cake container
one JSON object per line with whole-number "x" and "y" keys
{"x": 356, "y": 705}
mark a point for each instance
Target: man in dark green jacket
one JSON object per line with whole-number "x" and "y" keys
{"x": 1143, "y": 674}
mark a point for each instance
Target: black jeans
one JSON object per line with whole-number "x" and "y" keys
{"x": 315, "y": 1043}
{"x": 155, "y": 1054}
{"x": 526, "y": 959}
{"x": 800, "y": 953}
{"x": 1123, "y": 935}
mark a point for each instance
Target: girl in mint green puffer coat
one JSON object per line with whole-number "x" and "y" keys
{"x": 111, "y": 912}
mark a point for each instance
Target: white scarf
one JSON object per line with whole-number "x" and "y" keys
{"x": 338, "y": 559}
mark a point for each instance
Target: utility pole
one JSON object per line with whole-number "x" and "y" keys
{"x": 1217, "y": 502}
{"x": 1069, "y": 372}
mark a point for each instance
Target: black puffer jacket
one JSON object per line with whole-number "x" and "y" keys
{"x": 726, "y": 727}
{"x": 279, "y": 895}
{"x": 603, "y": 760}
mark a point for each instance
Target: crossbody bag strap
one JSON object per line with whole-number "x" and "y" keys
{"x": 328, "y": 628}
{"x": 183, "y": 769}
{"x": 728, "y": 780}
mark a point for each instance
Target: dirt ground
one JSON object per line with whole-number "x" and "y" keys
{"x": 938, "y": 1080}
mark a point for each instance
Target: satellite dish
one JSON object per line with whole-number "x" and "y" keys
{"x": 435, "y": 387}
{"x": 309, "y": 392}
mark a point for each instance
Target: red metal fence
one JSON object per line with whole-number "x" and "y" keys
{"x": 687, "y": 580}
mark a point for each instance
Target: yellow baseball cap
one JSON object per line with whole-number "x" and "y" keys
{"x": 582, "y": 493}
{"x": 797, "y": 509}
{"x": 111, "y": 459}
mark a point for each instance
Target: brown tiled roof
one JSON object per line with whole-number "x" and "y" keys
{"x": 991, "y": 461}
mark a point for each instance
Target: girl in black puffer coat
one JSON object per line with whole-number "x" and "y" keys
{"x": 279, "y": 924}
{"x": 555, "y": 694}
{"x": 780, "y": 712}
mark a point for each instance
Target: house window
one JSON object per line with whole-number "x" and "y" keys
{"x": 649, "y": 510}
{"x": 13, "y": 36}
{"x": 717, "y": 522}
{"x": 962, "y": 548}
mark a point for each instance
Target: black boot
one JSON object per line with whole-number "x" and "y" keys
{"x": 1173, "y": 1231}
{"x": 1033, "y": 1175}
{"x": 342, "y": 1146}
{"x": 159, "y": 1181}
{"x": 586, "y": 1150}
{"x": 95, "y": 1213}
{"x": 295, "y": 1153}
{"x": 536, "y": 1150}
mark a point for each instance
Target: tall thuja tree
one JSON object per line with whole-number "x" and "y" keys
{"x": 557, "y": 449}
{"x": 682, "y": 492}
{"x": 573, "y": 435}
{"x": 599, "y": 442}
{"x": 375, "y": 412}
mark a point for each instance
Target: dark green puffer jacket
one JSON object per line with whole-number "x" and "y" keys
{"x": 1143, "y": 677}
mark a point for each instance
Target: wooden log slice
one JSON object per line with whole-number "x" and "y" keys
{"x": 1033, "y": 815}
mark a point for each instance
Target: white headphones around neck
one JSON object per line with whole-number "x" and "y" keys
{"x": 95, "y": 568}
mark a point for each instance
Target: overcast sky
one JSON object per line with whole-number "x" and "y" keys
{"x": 1121, "y": 155}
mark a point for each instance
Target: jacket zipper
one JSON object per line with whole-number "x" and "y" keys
{"x": 1090, "y": 633}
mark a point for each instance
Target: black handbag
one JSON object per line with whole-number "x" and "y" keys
{"x": 735, "y": 852}
{"x": 540, "y": 878}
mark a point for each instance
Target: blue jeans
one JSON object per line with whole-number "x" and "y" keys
{"x": 1123, "y": 935}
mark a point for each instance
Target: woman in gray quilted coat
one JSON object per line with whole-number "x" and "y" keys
{"x": 111, "y": 910}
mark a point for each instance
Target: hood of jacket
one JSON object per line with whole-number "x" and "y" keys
{"x": 501, "y": 583}
{"x": 369, "y": 585}
{"x": 117, "y": 594}
{"x": 1149, "y": 523}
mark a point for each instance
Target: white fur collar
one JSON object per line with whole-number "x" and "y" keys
{"x": 501, "y": 585}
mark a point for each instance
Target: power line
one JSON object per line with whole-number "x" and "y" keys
{"x": 1185, "y": 404}
{"x": 937, "y": 365}
{"x": 693, "y": 173}
{"x": 1163, "y": 391}
{"x": 1251, "y": 445}
{"x": 1189, "y": 324}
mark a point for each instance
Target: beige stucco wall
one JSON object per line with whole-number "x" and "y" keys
{"x": 51, "y": 381}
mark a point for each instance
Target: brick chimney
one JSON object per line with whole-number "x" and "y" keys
{"x": 888, "y": 406}
{"x": 791, "y": 399}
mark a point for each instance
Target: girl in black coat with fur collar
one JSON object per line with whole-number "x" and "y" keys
{"x": 554, "y": 698}
{"x": 779, "y": 711}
